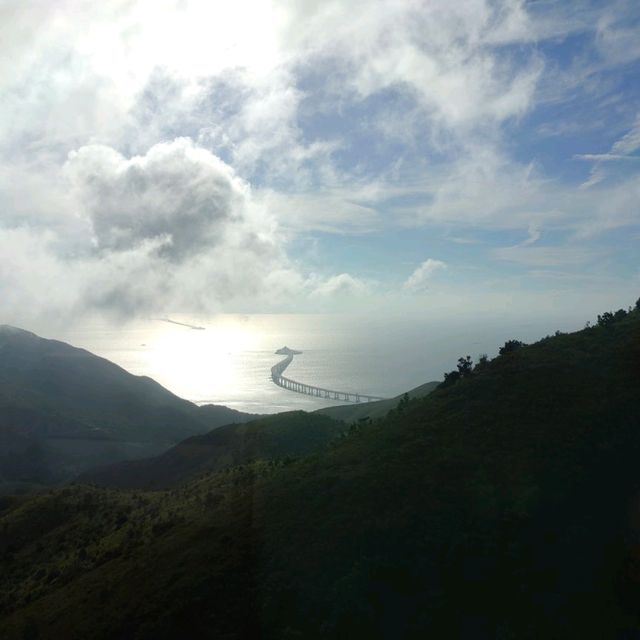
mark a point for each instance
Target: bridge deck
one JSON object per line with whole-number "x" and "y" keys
{"x": 311, "y": 390}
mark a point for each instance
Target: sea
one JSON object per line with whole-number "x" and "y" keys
{"x": 226, "y": 359}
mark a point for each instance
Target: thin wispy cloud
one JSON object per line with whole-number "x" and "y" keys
{"x": 622, "y": 149}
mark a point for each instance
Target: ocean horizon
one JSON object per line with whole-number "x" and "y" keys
{"x": 226, "y": 359}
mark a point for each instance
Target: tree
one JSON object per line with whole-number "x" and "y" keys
{"x": 608, "y": 318}
{"x": 619, "y": 315}
{"x": 464, "y": 370}
{"x": 510, "y": 345}
{"x": 450, "y": 378}
{"x": 483, "y": 362}
{"x": 404, "y": 403}
{"x": 465, "y": 366}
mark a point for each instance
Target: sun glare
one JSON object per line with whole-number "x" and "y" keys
{"x": 197, "y": 40}
{"x": 193, "y": 363}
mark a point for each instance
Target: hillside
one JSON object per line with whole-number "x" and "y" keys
{"x": 504, "y": 505}
{"x": 283, "y": 435}
{"x": 74, "y": 409}
{"x": 496, "y": 507}
{"x": 373, "y": 410}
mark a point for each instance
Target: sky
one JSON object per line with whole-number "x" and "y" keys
{"x": 290, "y": 156}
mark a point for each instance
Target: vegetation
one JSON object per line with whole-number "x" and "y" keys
{"x": 502, "y": 506}
{"x": 284, "y": 435}
{"x": 374, "y": 410}
{"x": 510, "y": 346}
{"x": 96, "y": 563}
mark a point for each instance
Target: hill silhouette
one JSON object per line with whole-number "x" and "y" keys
{"x": 502, "y": 505}
{"x": 63, "y": 409}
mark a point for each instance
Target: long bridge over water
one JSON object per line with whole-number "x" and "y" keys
{"x": 310, "y": 390}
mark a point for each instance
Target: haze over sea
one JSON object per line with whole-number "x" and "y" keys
{"x": 229, "y": 362}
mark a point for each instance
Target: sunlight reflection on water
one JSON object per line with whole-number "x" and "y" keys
{"x": 230, "y": 361}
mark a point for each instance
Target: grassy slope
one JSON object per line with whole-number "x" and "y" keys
{"x": 495, "y": 508}
{"x": 373, "y": 410}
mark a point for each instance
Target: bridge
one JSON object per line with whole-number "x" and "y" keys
{"x": 309, "y": 390}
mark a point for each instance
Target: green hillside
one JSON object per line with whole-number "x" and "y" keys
{"x": 63, "y": 409}
{"x": 283, "y": 435}
{"x": 496, "y": 507}
{"x": 374, "y": 410}
{"x": 502, "y": 505}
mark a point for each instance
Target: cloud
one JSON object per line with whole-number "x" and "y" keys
{"x": 602, "y": 157}
{"x": 162, "y": 155}
{"x": 420, "y": 279}
{"x": 172, "y": 229}
{"x": 133, "y": 73}
{"x": 178, "y": 195}
{"x": 552, "y": 256}
{"x": 486, "y": 188}
{"x": 34, "y": 279}
{"x": 630, "y": 142}
{"x": 618, "y": 34}
{"x": 622, "y": 149}
{"x": 333, "y": 210}
{"x": 255, "y": 123}
{"x": 533, "y": 236}
{"x": 342, "y": 284}
{"x": 447, "y": 56}
{"x": 608, "y": 207}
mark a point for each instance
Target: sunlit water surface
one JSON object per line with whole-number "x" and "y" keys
{"x": 229, "y": 361}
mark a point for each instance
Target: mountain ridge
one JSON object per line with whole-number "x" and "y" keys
{"x": 74, "y": 405}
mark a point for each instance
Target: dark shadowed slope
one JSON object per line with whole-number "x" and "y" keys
{"x": 79, "y": 409}
{"x": 374, "y": 410}
{"x": 274, "y": 437}
{"x": 502, "y": 506}
{"x": 495, "y": 508}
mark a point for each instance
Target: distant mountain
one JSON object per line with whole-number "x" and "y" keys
{"x": 275, "y": 437}
{"x": 504, "y": 504}
{"x": 64, "y": 409}
{"x": 374, "y": 410}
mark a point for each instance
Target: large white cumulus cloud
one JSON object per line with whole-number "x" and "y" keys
{"x": 180, "y": 196}
{"x": 172, "y": 229}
